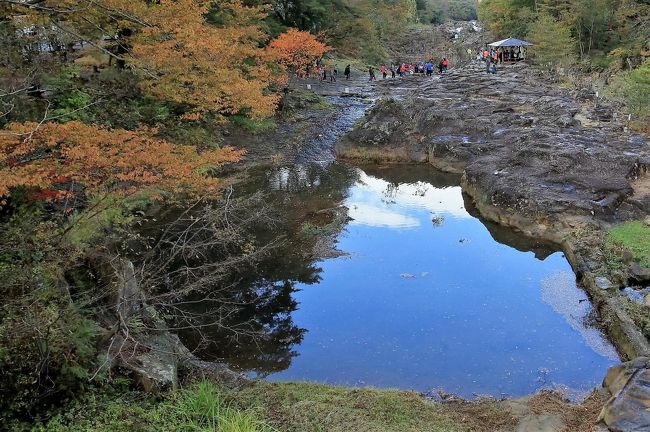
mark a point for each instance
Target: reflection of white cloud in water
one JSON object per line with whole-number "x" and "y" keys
{"x": 559, "y": 291}
{"x": 376, "y": 202}
{"x": 364, "y": 214}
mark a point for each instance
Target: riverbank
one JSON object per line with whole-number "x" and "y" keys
{"x": 307, "y": 407}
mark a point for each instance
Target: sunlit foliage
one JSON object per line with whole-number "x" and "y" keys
{"x": 212, "y": 67}
{"x": 297, "y": 49}
{"x": 43, "y": 157}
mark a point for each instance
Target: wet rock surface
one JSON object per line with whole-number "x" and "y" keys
{"x": 512, "y": 134}
{"x": 628, "y": 410}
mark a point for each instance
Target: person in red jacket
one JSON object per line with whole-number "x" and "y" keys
{"x": 445, "y": 64}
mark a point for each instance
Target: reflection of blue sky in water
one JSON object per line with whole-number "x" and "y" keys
{"x": 476, "y": 318}
{"x": 376, "y": 202}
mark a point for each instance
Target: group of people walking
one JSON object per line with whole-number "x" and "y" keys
{"x": 403, "y": 69}
{"x": 490, "y": 56}
{"x": 497, "y": 56}
{"x": 324, "y": 71}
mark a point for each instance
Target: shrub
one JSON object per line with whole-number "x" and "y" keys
{"x": 47, "y": 340}
{"x": 633, "y": 89}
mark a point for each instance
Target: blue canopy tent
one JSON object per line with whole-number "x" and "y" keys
{"x": 512, "y": 43}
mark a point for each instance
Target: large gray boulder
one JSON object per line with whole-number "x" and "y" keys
{"x": 628, "y": 410}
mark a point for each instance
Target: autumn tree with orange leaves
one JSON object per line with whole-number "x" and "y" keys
{"x": 218, "y": 66}
{"x": 179, "y": 55}
{"x": 297, "y": 50}
{"x": 213, "y": 67}
{"x": 102, "y": 161}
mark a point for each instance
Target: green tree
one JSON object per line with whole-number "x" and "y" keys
{"x": 507, "y": 18}
{"x": 588, "y": 20}
{"x": 463, "y": 10}
{"x": 633, "y": 88}
{"x": 554, "y": 45}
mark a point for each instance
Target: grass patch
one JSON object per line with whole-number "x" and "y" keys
{"x": 200, "y": 408}
{"x": 270, "y": 407}
{"x": 635, "y": 237}
{"x": 255, "y": 126}
{"x": 373, "y": 154}
{"x": 316, "y": 101}
{"x": 304, "y": 407}
{"x": 309, "y": 407}
{"x": 309, "y": 228}
{"x": 299, "y": 99}
{"x": 612, "y": 258}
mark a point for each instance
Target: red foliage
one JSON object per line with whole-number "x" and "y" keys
{"x": 297, "y": 49}
{"x": 103, "y": 161}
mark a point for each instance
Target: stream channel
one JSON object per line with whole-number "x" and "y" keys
{"x": 414, "y": 290}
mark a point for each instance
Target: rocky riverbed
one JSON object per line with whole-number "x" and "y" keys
{"x": 553, "y": 164}
{"x": 532, "y": 156}
{"x": 515, "y": 136}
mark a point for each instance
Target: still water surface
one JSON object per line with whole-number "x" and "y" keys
{"x": 424, "y": 297}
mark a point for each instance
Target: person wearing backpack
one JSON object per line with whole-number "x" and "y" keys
{"x": 371, "y": 72}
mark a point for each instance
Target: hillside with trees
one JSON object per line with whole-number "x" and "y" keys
{"x": 438, "y": 11}
{"x": 610, "y": 38}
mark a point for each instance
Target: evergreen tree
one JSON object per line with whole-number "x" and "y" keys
{"x": 554, "y": 45}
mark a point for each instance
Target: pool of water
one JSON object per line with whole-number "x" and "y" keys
{"x": 426, "y": 296}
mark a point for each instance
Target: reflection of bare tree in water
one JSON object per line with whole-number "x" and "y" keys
{"x": 260, "y": 334}
{"x": 204, "y": 271}
{"x": 223, "y": 271}
{"x": 390, "y": 193}
{"x": 421, "y": 189}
